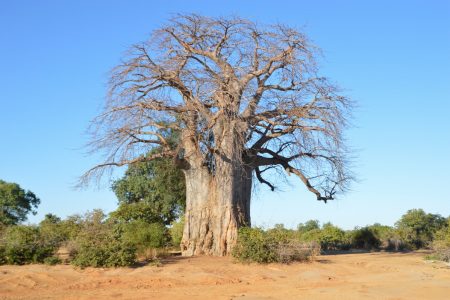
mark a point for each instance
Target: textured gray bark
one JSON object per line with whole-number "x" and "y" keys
{"x": 217, "y": 198}
{"x": 216, "y": 206}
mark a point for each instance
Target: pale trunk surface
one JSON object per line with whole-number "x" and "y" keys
{"x": 217, "y": 203}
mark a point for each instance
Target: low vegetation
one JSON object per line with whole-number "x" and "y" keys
{"x": 128, "y": 236}
{"x": 441, "y": 243}
{"x": 93, "y": 239}
{"x": 415, "y": 230}
{"x": 274, "y": 245}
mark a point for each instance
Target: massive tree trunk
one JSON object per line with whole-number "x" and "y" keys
{"x": 216, "y": 206}
{"x": 217, "y": 200}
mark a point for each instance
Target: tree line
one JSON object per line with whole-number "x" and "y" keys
{"x": 145, "y": 227}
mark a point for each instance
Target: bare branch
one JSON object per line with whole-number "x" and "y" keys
{"x": 237, "y": 93}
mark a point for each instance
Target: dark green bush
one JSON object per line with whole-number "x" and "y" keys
{"x": 417, "y": 228}
{"x": 52, "y": 260}
{"x": 145, "y": 236}
{"x": 23, "y": 244}
{"x": 99, "y": 244}
{"x": 110, "y": 253}
{"x": 389, "y": 237}
{"x": 275, "y": 245}
{"x": 365, "y": 238}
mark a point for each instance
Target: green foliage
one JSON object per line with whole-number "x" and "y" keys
{"x": 308, "y": 226}
{"x": 15, "y": 203}
{"x": 99, "y": 244}
{"x": 145, "y": 211}
{"x": 417, "y": 228}
{"x": 333, "y": 238}
{"x": 52, "y": 260}
{"x": 52, "y": 231}
{"x": 23, "y": 244}
{"x": 142, "y": 235}
{"x": 329, "y": 237}
{"x": 158, "y": 184}
{"x": 365, "y": 238}
{"x": 176, "y": 232}
{"x": 253, "y": 245}
{"x": 441, "y": 243}
{"x": 442, "y": 236}
{"x": 275, "y": 245}
{"x": 389, "y": 237}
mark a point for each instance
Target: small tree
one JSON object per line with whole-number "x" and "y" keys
{"x": 157, "y": 185}
{"x": 308, "y": 226}
{"x": 16, "y": 203}
{"x": 417, "y": 227}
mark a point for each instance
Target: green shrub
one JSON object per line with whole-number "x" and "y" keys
{"x": 51, "y": 231}
{"x": 308, "y": 226}
{"x": 109, "y": 253}
{"x": 275, "y": 245}
{"x": 365, "y": 238}
{"x": 23, "y": 244}
{"x": 100, "y": 244}
{"x": 311, "y": 235}
{"x": 417, "y": 228}
{"x": 145, "y": 236}
{"x": 127, "y": 212}
{"x": 333, "y": 238}
{"x": 52, "y": 260}
{"x": 176, "y": 232}
{"x": 253, "y": 245}
{"x": 389, "y": 237}
{"x": 329, "y": 237}
{"x": 2, "y": 255}
{"x": 441, "y": 243}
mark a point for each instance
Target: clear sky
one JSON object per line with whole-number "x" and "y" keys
{"x": 392, "y": 57}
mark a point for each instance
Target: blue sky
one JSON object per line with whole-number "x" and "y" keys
{"x": 392, "y": 58}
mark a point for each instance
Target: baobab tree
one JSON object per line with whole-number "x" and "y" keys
{"x": 247, "y": 103}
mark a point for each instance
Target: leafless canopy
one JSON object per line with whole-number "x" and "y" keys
{"x": 198, "y": 75}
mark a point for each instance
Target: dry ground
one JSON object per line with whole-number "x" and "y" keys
{"x": 344, "y": 276}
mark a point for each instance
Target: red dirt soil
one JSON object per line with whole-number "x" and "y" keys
{"x": 345, "y": 276}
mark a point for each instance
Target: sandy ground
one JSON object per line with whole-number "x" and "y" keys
{"x": 344, "y": 276}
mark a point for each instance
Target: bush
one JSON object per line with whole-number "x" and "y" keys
{"x": 23, "y": 244}
{"x": 145, "y": 236}
{"x": 441, "y": 243}
{"x": 100, "y": 244}
{"x": 417, "y": 228}
{"x": 329, "y": 237}
{"x": 176, "y": 232}
{"x": 308, "y": 226}
{"x": 365, "y": 238}
{"x": 52, "y": 231}
{"x": 295, "y": 250}
{"x": 52, "y": 260}
{"x": 253, "y": 245}
{"x": 389, "y": 237}
{"x": 109, "y": 253}
{"x": 275, "y": 245}
{"x": 333, "y": 238}
{"x": 127, "y": 212}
